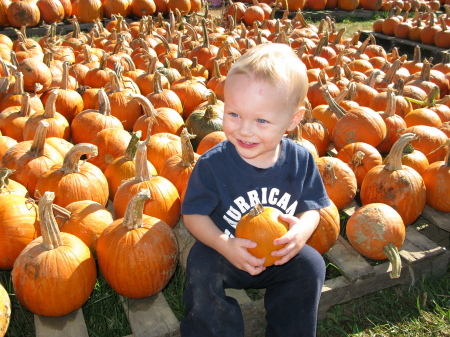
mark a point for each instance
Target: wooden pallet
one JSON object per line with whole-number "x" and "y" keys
{"x": 152, "y": 317}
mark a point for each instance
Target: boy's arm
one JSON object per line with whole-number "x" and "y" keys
{"x": 301, "y": 228}
{"x": 233, "y": 249}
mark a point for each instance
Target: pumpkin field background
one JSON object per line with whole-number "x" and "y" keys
{"x": 422, "y": 309}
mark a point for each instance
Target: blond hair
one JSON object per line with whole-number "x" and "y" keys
{"x": 278, "y": 65}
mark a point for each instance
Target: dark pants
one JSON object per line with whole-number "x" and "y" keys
{"x": 291, "y": 300}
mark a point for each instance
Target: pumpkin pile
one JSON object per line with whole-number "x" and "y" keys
{"x": 120, "y": 115}
{"x": 424, "y": 27}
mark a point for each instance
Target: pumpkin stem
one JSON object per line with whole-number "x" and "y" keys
{"x": 394, "y": 159}
{"x": 50, "y": 105}
{"x": 71, "y": 159}
{"x": 37, "y": 147}
{"x": 257, "y": 209}
{"x": 391, "y": 252}
{"x": 132, "y": 145}
{"x": 133, "y": 214}
{"x": 4, "y": 178}
{"x": 357, "y": 160}
{"x": 187, "y": 151}
{"x": 329, "y": 177}
{"x": 142, "y": 169}
{"x": 51, "y": 236}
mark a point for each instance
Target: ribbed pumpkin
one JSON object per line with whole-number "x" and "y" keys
{"x": 86, "y": 219}
{"x": 327, "y": 232}
{"x": 74, "y": 180}
{"x": 437, "y": 181}
{"x": 56, "y": 273}
{"x": 339, "y": 180}
{"x": 137, "y": 254}
{"x": 32, "y": 158}
{"x": 163, "y": 119}
{"x": 315, "y": 131}
{"x": 398, "y": 186}
{"x": 262, "y": 225}
{"x": 165, "y": 202}
{"x": 88, "y": 123}
{"x": 161, "y": 146}
{"x": 69, "y": 102}
{"x": 164, "y": 98}
{"x": 58, "y": 124}
{"x": 87, "y": 10}
{"x": 377, "y": 231}
{"x": 19, "y": 225}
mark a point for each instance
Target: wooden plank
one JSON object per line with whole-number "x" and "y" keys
{"x": 350, "y": 263}
{"x": 439, "y": 219}
{"x": 151, "y": 317}
{"x": 70, "y": 325}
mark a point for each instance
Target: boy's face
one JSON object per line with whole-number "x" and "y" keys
{"x": 256, "y": 118}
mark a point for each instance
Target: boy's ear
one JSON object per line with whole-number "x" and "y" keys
{"x": 297, "y": 118}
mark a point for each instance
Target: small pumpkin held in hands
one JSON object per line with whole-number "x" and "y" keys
{"x": 262, "y": 226}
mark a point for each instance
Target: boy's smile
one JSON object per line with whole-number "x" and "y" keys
{"x": 256, "y": 118}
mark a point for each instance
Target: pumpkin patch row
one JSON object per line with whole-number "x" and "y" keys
{"x": 424, "y": 27}
{"x": 122, "y": 113}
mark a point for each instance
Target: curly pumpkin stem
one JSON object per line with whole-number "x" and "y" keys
{"x": 391, "y": 252}
{"x": 50, "y": 105}
{"x": 133, "y": 214}
{"x": 51, "y": 236}
{"x": 357, "y": 159}
{"x": 72, "y": 158}
{"x": 394, "y": 159}
{"x": 257, "y": 209}
{"x": 4, "y": 178}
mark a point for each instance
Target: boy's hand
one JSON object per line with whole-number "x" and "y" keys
{"x": 294, "y": 239}
{"x": 239, "y": 256}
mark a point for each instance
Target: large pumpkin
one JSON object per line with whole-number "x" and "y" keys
{"x": 377, "y": 231}
{"x": 396, "y": 185}
{"x": 74, "y": 180}
{"x": 56, "y": 273}
{"x": 261, "y": 225}
{"x": 137, "y": 254}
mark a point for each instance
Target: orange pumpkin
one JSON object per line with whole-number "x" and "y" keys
{"x": 86, "y": 219}
{"x": 261, "y": 225}
{"x": 74, "y": 180}
{"x": 165, "y": 202}
{"x": 141, "y": 244}
{"x": 56, "y": 273}
{"x": 377, "y": 231}
{"x": 5, "y": 310}
{"x": 398, "y": 186}
{"x": 327, "y": 231}
{"x": 19, "y": 225}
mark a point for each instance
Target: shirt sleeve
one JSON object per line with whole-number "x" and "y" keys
{"x": 201, "y": 195}
{"x": 314, "y": 194}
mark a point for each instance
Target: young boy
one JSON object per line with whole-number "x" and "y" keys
{"x": 264, "y": 95}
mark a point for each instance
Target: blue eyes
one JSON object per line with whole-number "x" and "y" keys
{"x": 259, "y": 120}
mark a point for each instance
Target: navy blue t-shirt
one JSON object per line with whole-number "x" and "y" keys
{"x": 225, "y": 187}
